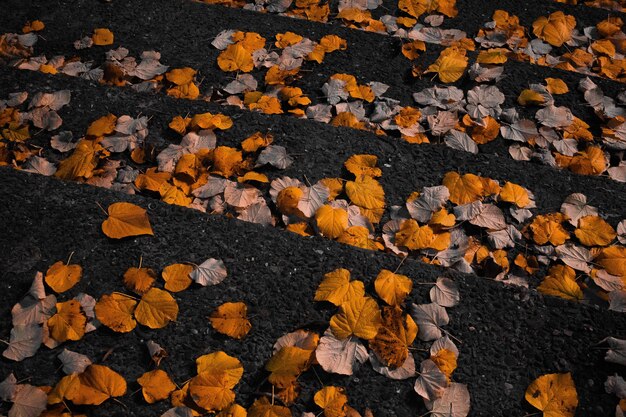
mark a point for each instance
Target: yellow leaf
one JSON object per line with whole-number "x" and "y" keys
{"x": 235, "y": 58}
{"x": 234, "y": 410}
{"x": 116, "y": 312}
{"x": 548, "y": 228}
{"x": 68, "y": 323}
{"x": 416, "y": 8}
{"x": 415, "y": 237}
{"x": 493, "y": 56}
{"x": 594, "y": 231}
{"x": 81, "y": 163}
{"x": 412, "y": 49}
{"x": 102, "y": 37}
{"x": 61, "y": 277}
{"x": 359, "y": 316}
{"x": 139, "y": 280}
{"x": 556, "y": 86}
{"x": 250, "y": 40}
{"x": 445, "y": 361}
{"x": 359, "y": 236}
{"x": 218, "y": 363}
{"x": 331, "y": 221}
{"x": 287, "y": 200}
{"x": 561, "y": 282}
{"x": 103, "y": 126}
{"x": 181, "y": 76}
{"x": 443, "y": 218}
{"x": 363, "y": 165}
{"x": 211, "y": 121}
{"x": 332, "y": 43}
{"x": 591, "y": 161}
{"x": 176, "y": 277}
{"x": 555, "y": 29}
{"x": 152, "y": 180}
{"x": 463, "y": 189}
{"x": 231, "y": 319}
{"x": 211, "y": 392}
{"x": 366, "y": 192}
{"x": 333, "y": 400}
{"x": 126, "y": 219}
{"x": 613, "y": 259}
{"x": 256, "y": 141}
{"x": 554, "y": 394}
{"x": 96, "y": 385}
{"x": 513, "y": 193}
{"x": 156, "y": 385}
{"x": 530, "y": 98}
{"x": 156, "y": 309}
{"x": 450, "y": 65}
{"x": 188, "y": 91}
{"x": 397, "y": 333}
{"x": 286, "y": 364}
{"x": 286, "y": 39}
{"x": 334, "y": 185}
{"x": 263, "y": 408}
{"x": 337, "y": 288}
{"x": 392, "y": 288}
{"x": 226, "y": 160}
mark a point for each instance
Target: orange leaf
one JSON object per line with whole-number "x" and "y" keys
{"x": 176, "y": 277}
{"x": 359, "y": 316}
{"x": 516, "y": 194}
{"x": 555, "y": 29}
{"x": 556, "y": 86}
{"x": 211, "y": 392}
{"x": 445, "y": 361}
{"x": 156, "y": 385}
{"x": 337, "y": 288}
{"x": 231, "y": 319}
{"x": 397, "y": 333}
{"x": 263, "y": 408}
{"x": 450, "y": 65}
{"x": 554, "y": 394}
{"x": 218, "y": 363}
{"x": 226, "y": 160}
{"x": 286, "y": 364}
{"x": 102, "y": 37}
{"x": 235, "y": 58}
{"x": 331, "y": 221}
{"x": 613, "y": 259}
{"x": 561, "y": 282}
{"x": 96, "y": 385}
{"x": 126, "y": 219}
{"x": 116, "y": 312}
{"x": 333, "y": 400}
{"x": 139, "y": 280}
{"x": 366, "y": 192}
{"x": 594, "y": 231}
{"x": 463, "y": 189}
{"x": 392, "y": 288}
{"x": 181, "y": 76}
{"x": 68, "y": 323}
{"x": 363, "y": 165}
{"x": 103, "y": 126}
{"x": 548, "y": 228}
{"x": 156, "y": 309}
{"x": 61, "y": 277}
{"x": 359, "y": 236}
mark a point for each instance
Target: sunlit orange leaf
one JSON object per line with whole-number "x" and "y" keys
{"x": 156, "y": 385}
{"x": 96, "y": 385}
{"x": 286, "y": 39}
{"x": 332, "y": 400}
{"x": 555, "y": 29}
{"x": 263, "y": 408}
{"x": 288, "y": 199}
{"x": 212, "y": 392}
{"x": 211, "y": 121}
{"x": 218, "y": 363}
{"x": 152, "y": 180}
{"x": 103, "y": 126}
{"x": 561, "y": 282}
{"x": 139, "y": 280}
{"x": 156, "y": 309}
{"x": 415, "y": 237}
{"x": 591, "y": 161}
{"x": 391, "y": 287}
{"x": 187, "y": 91}
{"x": 594, "y": 231}
{"x": 359, "y": 236}
{"x": 256, "y": 141}
{"x": 443, "y": 218}
{"x": 231, "y": 319}
{"x": 68, "y": 323}
{"x": 556, "y": 86}
{"x": 235, "y": 58}
{"x": 181, "y": 76}
{"x": 516, "y": 194}
{"x": 530, "y": 97}
{"x": 493, "y": 56}
{"x": 337, "y": 288}
{"x": 366, "y": 192}
{"x": 250, "y": 40}
{"x": 331, "y": 221}
{"x": 396, "y": 334}
{"x": 463, "y": 189}
{"x": 267, "y": 105}
{"x": 126, "y": 219}
{"x": 286, "y": 364}
{"x": 116, "y": 312}
{"x": 363, "y": 165}
{"x": 34, "y": 26}
{"x": 176, "y": 277}
{"x": 81, "y": 163}
{"x": 61, "y": 277}
{"x": 548, "y": 228}
{"x": 416, "y": 8}
{"x": 234, "y": 410}
{"x": 226, "y": 160}
{"x": 613, "y": 259}
{"x": 332, "y": 43}
{"x": 445, "y": 361}
{"x": 102, "y": 37}
{"x": 554, "y": 394}
{"x": 359, "y": 316}
{"x": 450, "y": 65}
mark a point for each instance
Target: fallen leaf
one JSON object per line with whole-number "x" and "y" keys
{"x": 29, "y": 401}
{"x": 359, "y": 316}
{"x": 431, "y": 383}
{"x": 594, "y": 231}
{"x": 96, "y": 385}
{"x": 139, "y": 280}
{"x": 156, "y": 309}
{"x": 218, "y": 363}
{"x": 73, "y": 363}
{"x": 126, "y": 219}
{"x": 337, "y": 288}
{"x": 61, "y": 277}
{"x": 210, "y": 272}
{"x": 445, "y": 292}
{"x": 102, "y": 37}
{"x": 391, "y": 287}
{"x": 211, "y": 392}
{"x": 263, "y": 408}
{"x": 429, "y": 319}
{"x": 68, "y": 323}
{"x": 116, "y": 312}
{"x": 156, "y": 385}
{"x": 24, "y": 342}
{"x": 554, "y": 394}
{"x": 332, "y": 400}
{"x": 176, "y": 277}
{"x": 339, "y": 356}
{"x": 231, "y": 319}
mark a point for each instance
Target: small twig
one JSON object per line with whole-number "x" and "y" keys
{"x": 103, "y": 210}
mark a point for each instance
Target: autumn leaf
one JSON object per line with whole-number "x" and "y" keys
{"x": 415, "y": 237}
{"x": 226, "y": 160}
{"x": 116, "y": 312}
{"x": 219, "y": 363}
{"x": 513, "y": 193}
{"x": 126, "y": 219}
{"x": 363, "y": 165}
{"x": 156, "y": 309}
{"x": 81, "y": 163}
{"x": 450, "y": 65}
{"x": 156, "y": 385}
{"x": 594, "y": 231}
{"x": 446, "y": 361}
{"x": 332, "y": 400}
{"x": 337, "y": 288}
{"x": 210, "y": 272}
{"x": 331, "y": 221}
{"x": 176, "y": 277}
{"x": 68, "y": 323}
{"x": 613, "y": 259}
{"x": 556, "y": 86}
{"x": 61, "y": 277}
{"x": 102, "y": 126}
{"x": 548, "y": 228}
{"x": 359, "y": 316}
{"x": 366, "y": 192}
{"x": 235, "y": 58}
{"x": 359, "y": 236}
{"x": 286, "y": 364}
{"x": 181, "y": 76}
{"x": 102, "y": 37}
{"x": 139, "y": 280}
{"x": 463, "y": 189}
{"x": 231, "y": 319}
{"x": 212, "y": 392}
{"x": 391, "y": 287}
{"x": 554, "y": 394}
{"x": 396, "y": 334}
{"x": 561, "y": 282}
{"x": 96, "y": 385}
{"x": 555, "y": 29}
{"x": 263, "y": 408}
